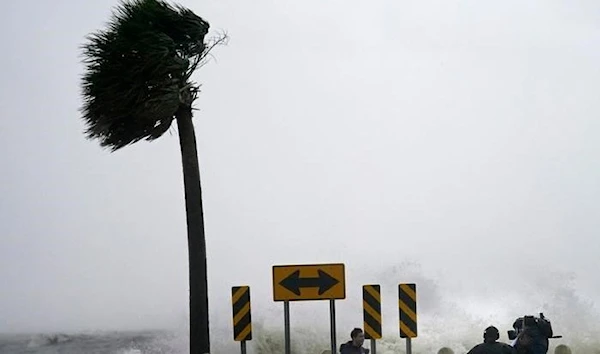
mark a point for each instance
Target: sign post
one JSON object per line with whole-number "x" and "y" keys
{"x": 407, "y": 303}
{"x": 332, "y": 324}
{"x": 372, "y": 314}
{"x": 242, "y": 319}
{"x": 309, "y": 282}
{"x": 286, "y": 327}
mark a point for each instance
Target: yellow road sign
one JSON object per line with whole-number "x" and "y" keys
{"x": 242, "y": 318}
{"x": 372, "y": 311}
{"x": 407, "y": 304}
{"x": 309, "y": 282}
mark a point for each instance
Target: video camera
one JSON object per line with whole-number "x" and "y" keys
{"x": 540, "y": 324}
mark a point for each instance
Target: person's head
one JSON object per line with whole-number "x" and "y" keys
{"x": 491, "y": 334}
{"x": 445, "y": 350}
{"x": 357, "y": 336}
{"x": 562, "y": 349}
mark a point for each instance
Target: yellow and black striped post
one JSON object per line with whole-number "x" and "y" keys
{"x": 242, "y": 319}
{"x": 372, "y": 314}
{"x": 407, "y": 303}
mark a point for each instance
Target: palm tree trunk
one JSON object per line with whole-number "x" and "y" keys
{"x": 199, "y": 330}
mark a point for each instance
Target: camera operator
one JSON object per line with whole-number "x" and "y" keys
{"x": 533, "y": 335}
{"x": 491, "y": 345}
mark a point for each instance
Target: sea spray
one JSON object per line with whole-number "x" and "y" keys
{"x": 444, "y": 320}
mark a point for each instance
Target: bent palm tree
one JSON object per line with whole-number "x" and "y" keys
{"x": 137, "y": 81}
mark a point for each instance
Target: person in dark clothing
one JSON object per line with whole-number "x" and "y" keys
{"x": 491, "y": 345}
{"x": 523, "y": 343}
{"x": 354, "y": 346}
{"x": 533, "y": 334}
{"x": 531, "y": 341}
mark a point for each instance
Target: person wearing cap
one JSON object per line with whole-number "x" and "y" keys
{"x": 491, "y": 345}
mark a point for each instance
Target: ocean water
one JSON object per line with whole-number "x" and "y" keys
{"x": 112, "y": 342}
{"x": 305, "y": 341}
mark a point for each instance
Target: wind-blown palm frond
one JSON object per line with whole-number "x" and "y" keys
{"x": 138, "y": 70}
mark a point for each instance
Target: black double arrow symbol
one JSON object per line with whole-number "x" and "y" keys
{"x": 295, "y": 283}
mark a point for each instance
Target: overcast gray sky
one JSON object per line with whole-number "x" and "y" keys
{"x": 462, "y": 135}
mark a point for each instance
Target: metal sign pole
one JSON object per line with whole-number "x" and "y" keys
{"x": 332, "y": 320}
{"x": 307, "y": 282}
{"x": 372, "y": 314}
{"x": 286, "y": 320}
{"x": 242, "y": 316}
{"x": 407, "y": 303}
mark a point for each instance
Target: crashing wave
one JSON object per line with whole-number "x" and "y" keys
{"x": 44, "y": 340}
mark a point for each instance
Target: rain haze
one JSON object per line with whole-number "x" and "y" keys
{"x": 451, "y": 143}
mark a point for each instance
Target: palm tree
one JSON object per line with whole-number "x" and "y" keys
{"x": 137, "y": 81}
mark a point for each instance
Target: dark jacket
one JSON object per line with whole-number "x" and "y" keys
{"x": 531, "y": 341}
{"x": 492, "y": 348}
{"x": 348, "y": 348}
